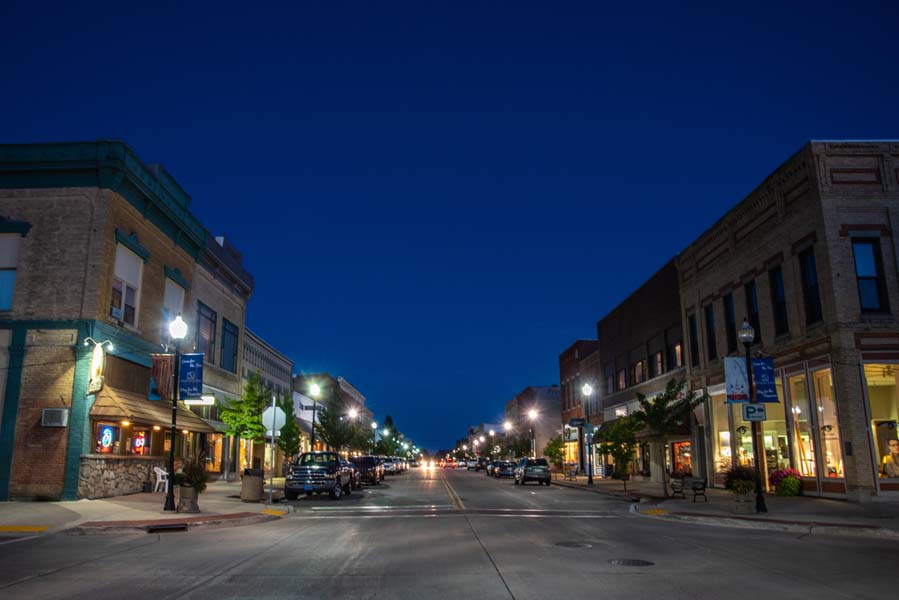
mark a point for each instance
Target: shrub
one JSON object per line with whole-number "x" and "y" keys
{"x": 743, "y": 486}
{"x": 789, "y": 486}
{"x": 775, "y": 477}
{"x": 739, "y": 473}
{"x": 193, "y": 474}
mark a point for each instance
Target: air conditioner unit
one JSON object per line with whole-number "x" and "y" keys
{"x": 55, "y": 417}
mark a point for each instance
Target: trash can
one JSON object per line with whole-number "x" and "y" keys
{"x": 251, "y": 485}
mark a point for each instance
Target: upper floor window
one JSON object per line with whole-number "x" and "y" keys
{"x": 676, "y": 358}
{"x": 206, "y": 324}
{"x": 811, "y": 294}
{"x": 9, "y": 262}
{"x": 172, "y": 303}
{"x": 656, "y": 366}
{"x": 610, "y": 381}
{"x": 622, "y": 379}
{"x": 638, "y": 372}
{"x": 872, "y": 294}
{"x": 123, "y": 304}
{"x": 778, "y": 301}
{"x": 752, "y": 309}
{"x": 694, "y": 342}
{"x": 230, "y": 335}
{"x": 730, "y": 323}
{"x": 711, "y": 345}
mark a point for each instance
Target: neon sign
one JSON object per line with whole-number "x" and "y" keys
{"x": 140, "y": 442}
{"x": 107, "y": 438}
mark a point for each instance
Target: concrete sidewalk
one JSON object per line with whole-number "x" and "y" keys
{"x": 220, "y": 505}
{"x": 801, "y": 513}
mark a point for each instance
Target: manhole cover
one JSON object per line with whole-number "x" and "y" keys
{"x": 575, "y": 544}
{"x": 630, "y": 562}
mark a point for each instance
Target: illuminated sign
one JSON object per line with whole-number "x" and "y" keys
{"x": 140, "y": 442}
{"x": 98, "y": 361}
{"x": 106, "y": 439}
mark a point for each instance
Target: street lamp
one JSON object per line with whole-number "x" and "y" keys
{"x": 177, "y": 331}
{"x": 532, "y": 416}
{"x": 314, "y": 390}
{"x": 587, "y": 390}
{"x": 374, "y": 429}
{"x": 353, "y": 413}
{"x": 747, "y": 335}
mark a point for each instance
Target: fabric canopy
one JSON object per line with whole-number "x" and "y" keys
{"x": 120, "y": 405}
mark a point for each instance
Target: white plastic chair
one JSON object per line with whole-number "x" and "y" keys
{"x": 162, "y": 479}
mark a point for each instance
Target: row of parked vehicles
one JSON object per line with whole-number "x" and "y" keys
{"x": 521, "y": 471}
{"x": 329, "y": 473}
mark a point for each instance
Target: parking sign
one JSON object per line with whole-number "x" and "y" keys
{"x": 754, "y": 412}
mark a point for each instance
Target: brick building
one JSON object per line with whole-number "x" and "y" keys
{"x": 640, "y": 351}
{"x": 94, "y": 245}
{"x": 579, "y": 364}
{"x": 546, "y": 402}
{"x": 810, "y": 258}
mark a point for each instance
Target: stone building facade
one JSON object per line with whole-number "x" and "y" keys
{"x": 641, "y": 349}
{"x": 810, "y": 259}
{"x": 579, "y": 364}
{"x": 90, "y": 238}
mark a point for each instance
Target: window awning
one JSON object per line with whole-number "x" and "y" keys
{"x": 119, "y": 405}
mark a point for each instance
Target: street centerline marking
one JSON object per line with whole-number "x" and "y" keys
{"x": 23, "y": 528}
{"x": 457, "y": 501}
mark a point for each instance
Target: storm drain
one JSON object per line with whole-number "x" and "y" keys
{"x": 630, "y": 562}
{"x": 575, "y": 544}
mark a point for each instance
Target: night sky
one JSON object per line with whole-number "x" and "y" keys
{"x": 436, "y": 201}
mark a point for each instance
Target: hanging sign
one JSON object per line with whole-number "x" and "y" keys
{"x": 191, "y": 379}
{"x": 735, "y": 380}
{"x": 763, "y": 378}
{"x": 98, "y": 361}
{"x": 754, "y": 412}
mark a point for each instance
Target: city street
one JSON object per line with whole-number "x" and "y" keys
{"x": 453, "y": 534}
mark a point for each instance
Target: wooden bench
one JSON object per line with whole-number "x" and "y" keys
{"x": 571, "y": 474}
{"x": 696, "y": 485}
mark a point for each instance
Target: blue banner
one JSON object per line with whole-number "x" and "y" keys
{"x": 763, "y": 374}
{"x": 191, "y": 376}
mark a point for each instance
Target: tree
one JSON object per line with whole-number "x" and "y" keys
{"x": 555, "y": 451}
{"x": 666, "y": 414}
{"x": 619, "y": 439}
{"x": 518, "y": 444}
{"x": 334, "y": 428}
{"x": 243, "y": 417}
{"x": 289, "y": 438}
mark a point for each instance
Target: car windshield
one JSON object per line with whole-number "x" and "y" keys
{"x": 538, "y": 462}
{"x": 325, "y": 460}
{"x": 366, "y": 460}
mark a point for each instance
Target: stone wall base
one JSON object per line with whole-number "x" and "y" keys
{"x": 107, "y": 476}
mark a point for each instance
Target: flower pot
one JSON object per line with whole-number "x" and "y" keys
{"x": 745, "y": 503}
{"x": 187, "y": 500}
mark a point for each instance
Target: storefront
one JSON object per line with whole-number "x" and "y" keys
{"x": 881, "y": 382}
{"x": 801, "y": 431}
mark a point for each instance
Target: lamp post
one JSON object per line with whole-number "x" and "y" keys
{"x": 532, "y": 416}
{"x": 747, "y": 335}
{"x": 315, "y": 390}
{"x": 587, "y": 390}
{"x": 374, "y": 429}
{"x": 178, "y": 331}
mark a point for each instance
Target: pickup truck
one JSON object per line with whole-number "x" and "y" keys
{"x": 317, "y": 473}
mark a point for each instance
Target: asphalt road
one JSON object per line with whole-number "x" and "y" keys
{"x": 452, "y": 535}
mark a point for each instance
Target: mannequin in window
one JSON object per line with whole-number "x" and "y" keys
{"x": 890, "y": 465}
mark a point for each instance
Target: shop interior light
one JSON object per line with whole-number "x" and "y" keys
{"x": 184, "y": 431}
{"x": 157, "y": 428}
{"x": 126, "y": 423}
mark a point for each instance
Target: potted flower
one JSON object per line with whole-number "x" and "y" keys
{"x": 787, "y": 482}
{"x": 740, "y": 480}
{"x": 192, "y": 479}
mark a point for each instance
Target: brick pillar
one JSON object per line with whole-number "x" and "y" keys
{"x": 11, "y": 408}
{"x": 851, "y": 411}
{"x": 80, "y": 438}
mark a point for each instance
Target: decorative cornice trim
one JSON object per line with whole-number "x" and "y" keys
{"x": 174, "y": 273}
{"x": 130, "y": 242}
{"x": 8, "y": 225}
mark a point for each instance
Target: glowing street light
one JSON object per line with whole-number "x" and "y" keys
{"x": 178, "y": 331}
{"x": 532, "y": 416}
{"x": 315, "y": 390}
{"x": 353, "y": 413}
{"x": 507, "y": 426}
{"x": 587, "y": 390}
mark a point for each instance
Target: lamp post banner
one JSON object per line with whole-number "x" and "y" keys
{"x": 190, "y": 384}
{"x": 735, "y": 380}
{"x": 763, "y": 377}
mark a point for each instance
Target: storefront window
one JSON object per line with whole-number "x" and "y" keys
{"x": 881, "y": 380}
{"x": 721, "y": 427}
{"x": 827, "y": 421}
{"x": 743, "y": 430}
{"x": 214, "y": 452}
{"x": 140, "y": 442}
{"x": 803, "y": 438}
{"x": 683, "y": 457}
{"x": 106, "y": 439}
{"x": 774, "y": 433}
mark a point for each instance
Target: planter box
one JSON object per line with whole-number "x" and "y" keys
{"x": 187, "y": 500}
{"x": 745, "y": 503}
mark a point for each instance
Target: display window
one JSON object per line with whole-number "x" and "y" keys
{"x": 140, "y": 442}
{"x": 721, "y": 445}
{"x": 107, "y": 439}
{"x": 803, "y": 427}
{"x": 881, "y": 381}
{"x": 682, "y": 454}
{"x": 775, "y": 437}
{"x": 831, "y": 449}
{"x": 214, "y": 446}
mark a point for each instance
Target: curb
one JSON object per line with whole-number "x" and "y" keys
{"x": 849, "y": 530}
{"x": 187, "y": 524}
{"x": 621, "y": 495}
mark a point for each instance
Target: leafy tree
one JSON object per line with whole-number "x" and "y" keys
{"x": 289, "y": 439}
{"x": 243, "y": 417}
{"x": 619, "y": 439}
{"x": 518, "y": 444}
{"x": 335, "y": 429}
{"x": 555, "y": 451}
{"x": 666, "y": 414}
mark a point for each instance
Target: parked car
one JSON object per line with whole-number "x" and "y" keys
{"x": 481, "y": 463}
{"x": 356, "y": 473}
{"x": 317, "y": 473}
{"x": 449, "y": 464}
{"x": 369, "y": 468}
{"x": 391, "y": 467}
{"x": 462, "y": 464}
{"x": 532, "y": 469}
{"x": 504, "y": 468}
{"x": 489, "y": 468}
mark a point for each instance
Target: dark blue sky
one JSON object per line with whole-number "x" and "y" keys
{"x": 435, "y": 202}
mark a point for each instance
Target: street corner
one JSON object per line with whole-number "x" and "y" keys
{"x": 175, "y": 524}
